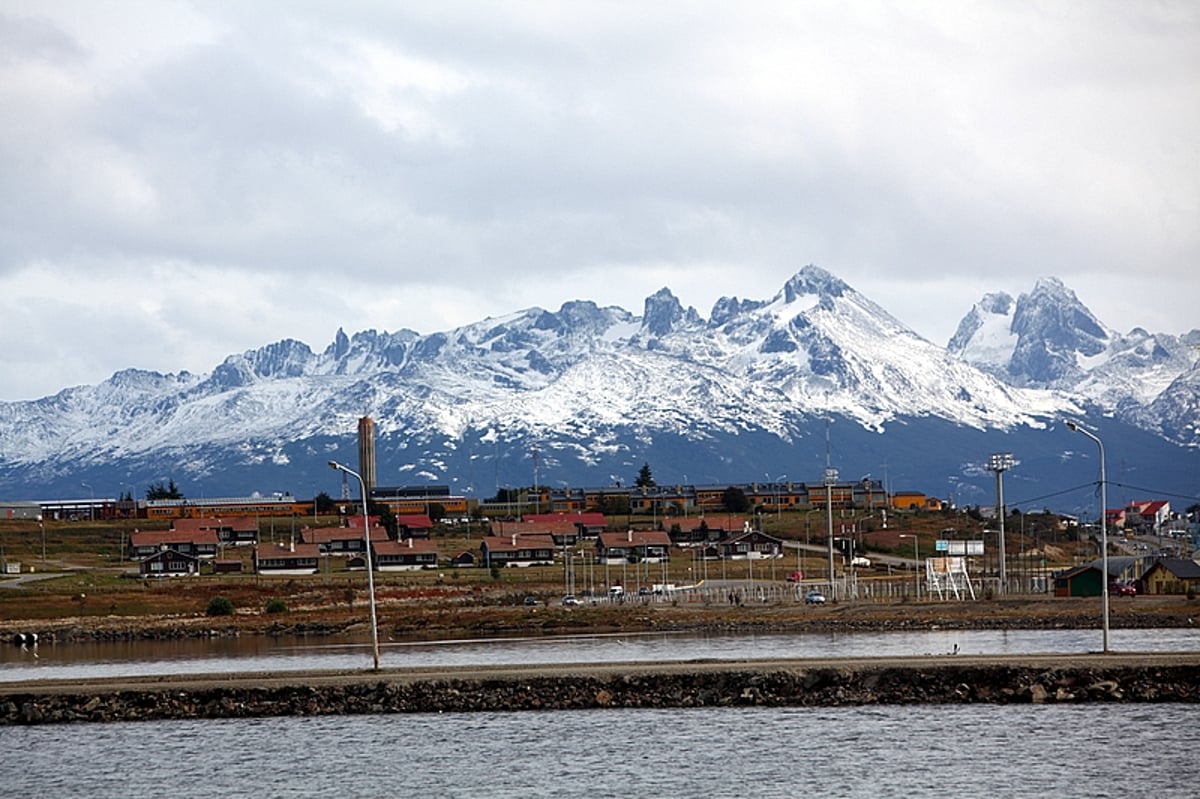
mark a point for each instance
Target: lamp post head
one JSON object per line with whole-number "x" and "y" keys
{"x": 1072, "y": 426}
{"x": 1000, "y": 461}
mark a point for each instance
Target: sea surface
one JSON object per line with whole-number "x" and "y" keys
{"x": 261, "y": 653}
{"x": 1117, "y": 751}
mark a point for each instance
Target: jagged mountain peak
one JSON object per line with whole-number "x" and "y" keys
{"x": 591, "y": 383}
{"x": 813, "y": 280}
{"x": 984, "y": 337}
{"x": 1054, "y": 332}
{"x": 663, "y": 312}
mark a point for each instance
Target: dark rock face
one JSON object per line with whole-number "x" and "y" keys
{"x": 799, "y": 686}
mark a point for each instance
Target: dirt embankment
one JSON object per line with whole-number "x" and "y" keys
{"x": 409, "y": 620}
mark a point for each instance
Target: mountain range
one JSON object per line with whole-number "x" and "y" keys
{"x": 773, "y": 389}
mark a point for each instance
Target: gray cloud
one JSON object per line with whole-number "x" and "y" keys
{"x": 289, "y": 169}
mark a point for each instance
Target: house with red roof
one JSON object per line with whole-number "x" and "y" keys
{"x": 411, "y": 554}
{"x": 288, "y": 559}
{"x": 341, "y": 540}
{"x": 652, "y": 546}
{"x": 193, "y": 543}
{"x": 517, "y": 550}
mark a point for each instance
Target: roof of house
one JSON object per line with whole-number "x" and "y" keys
{"x": 409, "y": 546}
{"x": 1182, "y": 568}
{"x": 540, "y": 526}
{"x": 417, "y": 520}
{"x": 752, "y": 534}
{"x": 324, "y": 535}
{"x": 158, "y": 538}
{"x": 513, "y": 543}
{"x": 289, "y": 551}
{"x": 715, "y": 521}
{"x": 635, "y": 538}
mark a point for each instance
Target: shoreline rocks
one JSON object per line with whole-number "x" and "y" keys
{"x": 773, "y": 684}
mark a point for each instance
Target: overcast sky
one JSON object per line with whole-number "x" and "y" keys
{"x": 183, "y": 181}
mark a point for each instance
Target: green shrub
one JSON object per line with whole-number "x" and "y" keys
{"x": 276, "y": 605}
{"x": 219, "y": 606}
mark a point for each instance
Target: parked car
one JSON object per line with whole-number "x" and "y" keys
{"x": 570, "y": 599}
{"x": 531, "y": 600}
{"x": 860, "y": 561}
{"x": 1122, "y": 589}
{"x": 814, "y": 597}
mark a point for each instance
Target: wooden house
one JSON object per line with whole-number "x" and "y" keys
{"x": 750, "y": 545}
{"x": 341, "y": 540}
{"x": 515, "y": 550}
{"x": 1172, "y": 576}
{"x": 652, "y": 546}
{"x": 411, "y": 554}
{"x": 169, "y": 563}
{"x": 194, "y": 543}
{"x": 298, "y": 559}
{"x": 587, "y": 524}
{"x": 234, "y": 531}
{"x": 413, "y": 525}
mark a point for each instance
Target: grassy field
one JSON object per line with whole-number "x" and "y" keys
{"x": 79, "y": 574}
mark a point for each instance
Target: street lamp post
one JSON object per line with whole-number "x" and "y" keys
{"x": 1103, "y": 529}
{"x": 370, "y": 567}
{"x": 1000, "y": 462}
{"x": 92, "y": 503}
{"x": 831, "y": 477}
{"x": 917, "y": 565}
{"x": 778, "y": 508}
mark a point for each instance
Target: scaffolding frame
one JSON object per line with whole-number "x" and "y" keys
{"x": 948, "y": 575}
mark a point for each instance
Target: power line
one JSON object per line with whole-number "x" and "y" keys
{"x": 1157, "y": 493}
{"x": 1031, "y": 500}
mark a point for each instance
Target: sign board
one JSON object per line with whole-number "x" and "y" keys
{"x": 959, "y": 547}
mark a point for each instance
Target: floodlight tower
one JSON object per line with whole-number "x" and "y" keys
{"x": 1000, "y": 462}
{"x": 830, "y": 480}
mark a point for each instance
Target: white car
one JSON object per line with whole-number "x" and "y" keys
{"x": 814, "y": 597}
{"x": 860, "y": 561}
{"x": 570, "y": 599}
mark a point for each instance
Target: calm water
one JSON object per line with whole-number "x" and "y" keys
{"x": 925, "y": 751}
{"x": 257, "y": 653}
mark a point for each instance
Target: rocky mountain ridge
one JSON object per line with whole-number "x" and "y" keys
{"x": 596, "y": 391}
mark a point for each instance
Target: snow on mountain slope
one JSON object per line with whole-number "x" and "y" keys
{"x": 587, "y": 381}
{"x": 1048, "y": 339}
{"x": 984, "y": 337}
{"x": 827, "y": 348}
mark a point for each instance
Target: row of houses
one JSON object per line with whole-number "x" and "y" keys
{"x": 1149, "y": 574}
{"x": 534, "y": 540}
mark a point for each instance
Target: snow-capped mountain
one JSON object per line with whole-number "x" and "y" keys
{"x": 587, "y": 394}
{"x": 1048, "y": 339}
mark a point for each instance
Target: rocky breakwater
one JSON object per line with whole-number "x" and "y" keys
{"x": 1149, "y": 678}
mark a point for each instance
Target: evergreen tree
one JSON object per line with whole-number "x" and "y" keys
{"x": 645, "y": 478}
{"x": 734, "y": 500}
{"x": 160, "y": 491}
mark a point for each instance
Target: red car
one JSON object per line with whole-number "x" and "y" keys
{"x": 1122, "y": 589}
